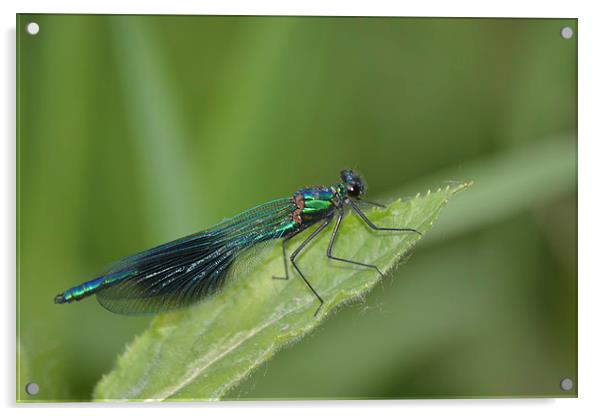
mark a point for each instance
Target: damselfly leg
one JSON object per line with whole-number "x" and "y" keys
{"x": 296, "y": 253}
{"x": 284, "y": 240}
{"x": 329, "y": 249}
{"x": 376, "y": 204}
{"x": 371, "y": 225}
{"x": 374, "y": 226}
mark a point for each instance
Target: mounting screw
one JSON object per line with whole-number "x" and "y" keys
{"x": 32, "y": 389}
{"x": 32, "y": 28}
{"x": 566, "y": 384}
{"x": 566, "y": 32}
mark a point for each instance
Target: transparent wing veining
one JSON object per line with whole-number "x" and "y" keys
{"x": 181, "y": 272}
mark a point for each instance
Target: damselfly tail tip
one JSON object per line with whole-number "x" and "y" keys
{"x": 58, "y": 299}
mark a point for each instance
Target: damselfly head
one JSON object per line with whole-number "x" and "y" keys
{"x": 354, "y": 184}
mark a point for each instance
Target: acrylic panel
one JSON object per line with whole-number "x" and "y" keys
{"x": 135, "y": 131}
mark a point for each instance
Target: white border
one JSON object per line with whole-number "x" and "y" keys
{"x": 590, "y": 68}
{"x": 508, "y": 8}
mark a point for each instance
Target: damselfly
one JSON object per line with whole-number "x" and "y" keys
{"x": 184, "y": 271}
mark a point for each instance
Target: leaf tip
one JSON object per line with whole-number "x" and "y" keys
{"x": 462, "y": 186}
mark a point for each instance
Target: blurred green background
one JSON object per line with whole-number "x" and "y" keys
{"x": 135, "y": 130}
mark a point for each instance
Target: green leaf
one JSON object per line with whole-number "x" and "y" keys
{"x": 200, "y": 353}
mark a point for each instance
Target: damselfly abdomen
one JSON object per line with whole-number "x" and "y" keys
{"x": 184, "y": 271}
